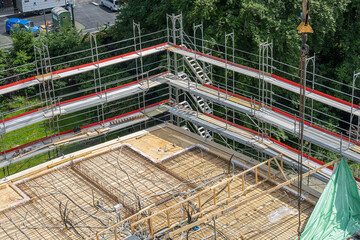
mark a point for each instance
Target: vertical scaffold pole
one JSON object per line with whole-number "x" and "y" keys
{"x": 174, "y": 40}
{"x": 171, "y": 98}
{"x": 97, "y": 64}
{"x": 2, "y": 141}
{"x": 260, "y": 75}
{"x": 50, "y": 90}
{"x": 312, "y": 60}
{"x": 226, "y": 60}
{"x": 97, "y": 79}
{"x": 355, "y": 76}
{"x": 307, "y": 61}
{"x": 201, "y": 27}
{"x": 271, "y": 70}
{"x": 168, "y": 40}
{"x": 174, "y": 20}
{"x": 137, "y": 28}
{"x": 195, "y": 28}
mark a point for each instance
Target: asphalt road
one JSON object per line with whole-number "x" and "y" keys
{"x": 88, "y": 16}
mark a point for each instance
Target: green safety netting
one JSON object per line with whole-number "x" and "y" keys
{"x": 337, "y": 213}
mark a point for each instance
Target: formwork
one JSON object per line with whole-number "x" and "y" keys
{"x": 152, "y": 183}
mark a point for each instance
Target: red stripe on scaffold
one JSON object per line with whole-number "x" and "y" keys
{"x": 20, "y": 115}
{"x": 82, "y": 66}
{"x": 273, "y": 76}
{"x": 289, "y": 116}
{"x": 87, "y": 126}
{"x": 111, "y": 89}
{"x": 216, "y": 58}
{"x": 87, "y": 96}
{"x": 17, "y": 82}
{"x": 315, "y": 91}
{"x": 107, "y": 59}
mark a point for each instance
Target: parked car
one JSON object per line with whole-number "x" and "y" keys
{"x": 112, "y": 4}
{"x": 17, "y": 24}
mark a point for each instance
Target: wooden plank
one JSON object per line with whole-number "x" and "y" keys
{"x": 238, "y": 203}
{"x": 355, "y": 148}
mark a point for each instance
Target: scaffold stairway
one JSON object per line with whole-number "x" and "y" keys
{"x": 204, "y": 133}
{"x": 198, "y": 70}
{"x": 201, "y": 102}
{"x": 201, "y": 130}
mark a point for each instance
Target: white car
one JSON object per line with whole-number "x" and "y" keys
{"x": 112, "y": 4}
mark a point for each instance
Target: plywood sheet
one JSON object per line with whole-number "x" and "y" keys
{"x": 159, "y": 144}
{"x": 8, "y": 196}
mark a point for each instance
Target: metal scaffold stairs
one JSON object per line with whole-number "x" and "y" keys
{"x": 201, "y": 102}
{"x": 198, "y": 70}
{"x": 204, "y": 132}
{"x": 201, "y": 130}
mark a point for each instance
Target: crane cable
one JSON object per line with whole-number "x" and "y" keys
{"x": 304, "y": 28}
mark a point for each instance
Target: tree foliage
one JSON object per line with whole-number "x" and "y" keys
{"x": 335, "y": 23}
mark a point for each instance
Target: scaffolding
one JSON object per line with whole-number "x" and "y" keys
{"x": 240, "y": 87}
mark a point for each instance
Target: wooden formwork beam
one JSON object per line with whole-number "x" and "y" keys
{"x": 102, "y": 189}
{"x": 198, "y": 196}
{"x": 213, "y": 192}
{"x": 162, "y": 168}
{"x": 237, "y": 204}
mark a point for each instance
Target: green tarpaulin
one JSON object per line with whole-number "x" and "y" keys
{"x": 337, "y": 213}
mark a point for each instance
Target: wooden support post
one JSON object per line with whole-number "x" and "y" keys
{"x": 214, "y": 196}
{"x": 115, "y": 233}
{"x": 151, "y": 227}
{"x": 269, "y": 172}
{"x": 168, "y": 218}
{"x": 282, "y": 163}
{"x": 199, "y": 202}
{"x": 243, "y": 184}
{"x": 256, "y": 175}
{"x": 281, "y": 170}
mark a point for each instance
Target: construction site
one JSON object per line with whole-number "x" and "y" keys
{"x": 172, "y": 137}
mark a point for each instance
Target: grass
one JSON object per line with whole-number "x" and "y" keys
{"x": 20, "y": 166}
{"x": 24, "y": 135}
